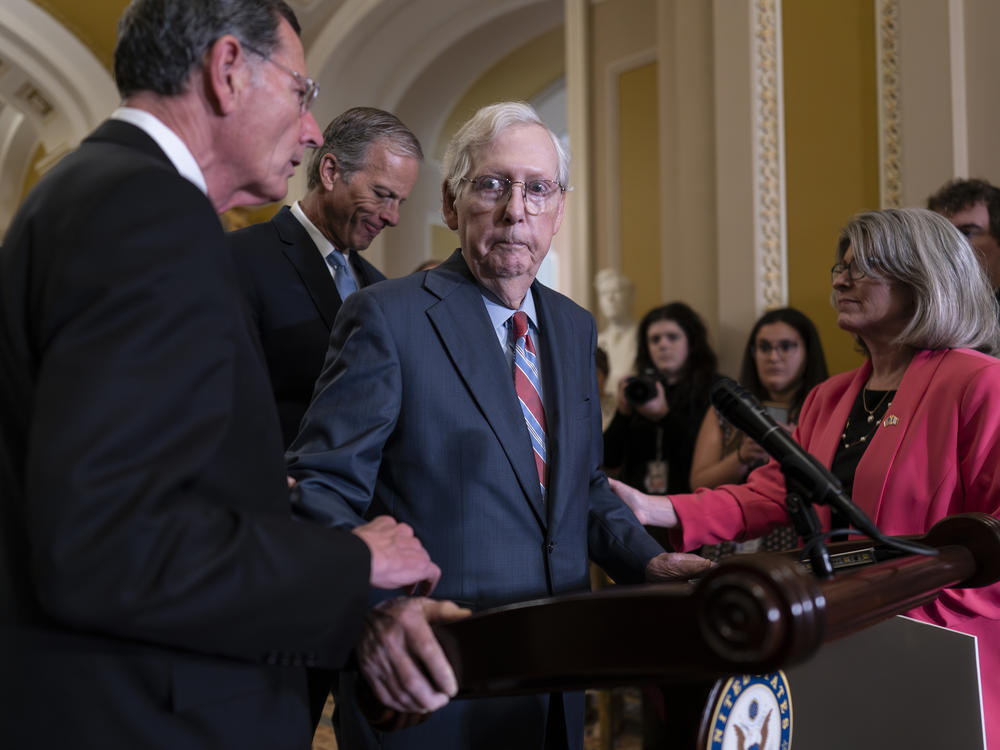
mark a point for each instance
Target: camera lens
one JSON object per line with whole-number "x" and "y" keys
{"x": 640, "y": 389}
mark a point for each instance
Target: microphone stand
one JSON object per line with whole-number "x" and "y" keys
{"x": 799, "y": 505}
{"x": 807, "y": 481}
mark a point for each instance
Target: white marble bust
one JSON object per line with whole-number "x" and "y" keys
{"x": 614, "y": 299}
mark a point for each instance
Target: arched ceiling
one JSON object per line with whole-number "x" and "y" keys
{"x": 94, "y": 23}
{"x": 421, "y": 55}
{"x": 53, "y": 90}
{"x": 416, "y": 58}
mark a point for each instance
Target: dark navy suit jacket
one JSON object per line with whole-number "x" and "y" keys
{"x": 154, "y": 590}
{"x": 416, "y": 415}
{"x": 294, "y": 302}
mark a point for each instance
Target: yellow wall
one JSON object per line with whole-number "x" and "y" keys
{"x": 831, "y": 131}
{"x": 619, "y": 30}
{"x": 639, "y": 192}
{"x": 443, "y": 241}
{"x": 521, "y": 75}
{"x": 244, "y": 216}
{"x": 95, "y": 22}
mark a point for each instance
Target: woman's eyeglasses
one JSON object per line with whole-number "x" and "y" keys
{"x": 783, "y": 347}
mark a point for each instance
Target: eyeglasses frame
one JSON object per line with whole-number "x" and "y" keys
{"x": 783, "y": 348}
{"x": 309, "y": 88}
{"x": 839, "y": 267}
{"x": 508, "y": 192}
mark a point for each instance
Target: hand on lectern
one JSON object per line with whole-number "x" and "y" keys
{"x": 676, "y": 566}
{"x": 401, "y": 659}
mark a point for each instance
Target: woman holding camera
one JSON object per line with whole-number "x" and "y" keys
{"x": 650, "y": 439}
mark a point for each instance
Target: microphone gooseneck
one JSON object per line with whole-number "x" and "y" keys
{"x": 803, "y": 472}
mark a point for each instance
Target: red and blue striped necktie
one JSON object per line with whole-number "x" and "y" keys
{"x": 528, "y": 387}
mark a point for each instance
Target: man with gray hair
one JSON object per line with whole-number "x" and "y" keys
{"x": 297, "y": 269}
{"x": 463, "y": 401}
{"x": 155, "y": 591}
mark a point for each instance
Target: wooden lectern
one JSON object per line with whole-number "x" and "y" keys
{"x": 747, "y": 620}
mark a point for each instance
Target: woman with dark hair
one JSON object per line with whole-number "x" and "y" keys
{"x": 782, "y": 361}
{"x": 651, "y": 436}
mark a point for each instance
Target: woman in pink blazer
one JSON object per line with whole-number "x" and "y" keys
{"x": 913, "y": 434}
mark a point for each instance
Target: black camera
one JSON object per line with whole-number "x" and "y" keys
{"x": 641, "y": 388}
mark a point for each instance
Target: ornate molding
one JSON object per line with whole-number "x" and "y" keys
{"x": 890, "y": 145}
{"x": 769, "y": 156}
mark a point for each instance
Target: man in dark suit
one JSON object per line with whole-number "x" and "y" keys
{"x": 154, "y": 590}
{"x": 297, "y": 268}
{"x": 463, "y": 401}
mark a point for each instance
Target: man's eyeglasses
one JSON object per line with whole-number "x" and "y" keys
{"x": 783, "y": 347}
{"x": 488, "y": 190}
{"x": 308, "y": 88}
{"x": 853, "y": 272}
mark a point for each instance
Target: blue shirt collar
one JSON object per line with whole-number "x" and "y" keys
{"x": 500, "y": 313}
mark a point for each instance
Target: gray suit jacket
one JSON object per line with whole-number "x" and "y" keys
{"x": 416, "y": 416}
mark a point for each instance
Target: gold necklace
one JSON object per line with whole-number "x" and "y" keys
{"x": 859, "y": 441}
{"x": 871, "y": 412}
{"x": 871, "y": 418}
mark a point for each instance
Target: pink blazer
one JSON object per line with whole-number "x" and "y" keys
{"x": 936, "y": 453}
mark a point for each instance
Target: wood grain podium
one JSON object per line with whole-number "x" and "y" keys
{"x": 751, "y": 615}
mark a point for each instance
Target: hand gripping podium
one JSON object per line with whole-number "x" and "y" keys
{"x": 759, "y": 647}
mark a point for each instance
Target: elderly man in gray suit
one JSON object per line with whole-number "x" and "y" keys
{"x": 463, "y": 401}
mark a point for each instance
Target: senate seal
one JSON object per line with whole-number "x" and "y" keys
{"x": 752, "y": 712}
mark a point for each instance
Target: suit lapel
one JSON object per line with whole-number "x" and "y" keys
{"x": 367, "y": 273}
{"x": 463, "y": 325}
{"x": 897, "y": 420}
{"x": 302, "y": 253}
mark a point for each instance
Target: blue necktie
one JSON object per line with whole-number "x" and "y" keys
{"x": 341, "y": 274}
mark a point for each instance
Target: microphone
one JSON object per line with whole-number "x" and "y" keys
{"x": 801, "y": 469}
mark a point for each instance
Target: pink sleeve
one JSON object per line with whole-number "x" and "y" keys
{"x": 734, "y": 512}
{"x": 731, "y": 512}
